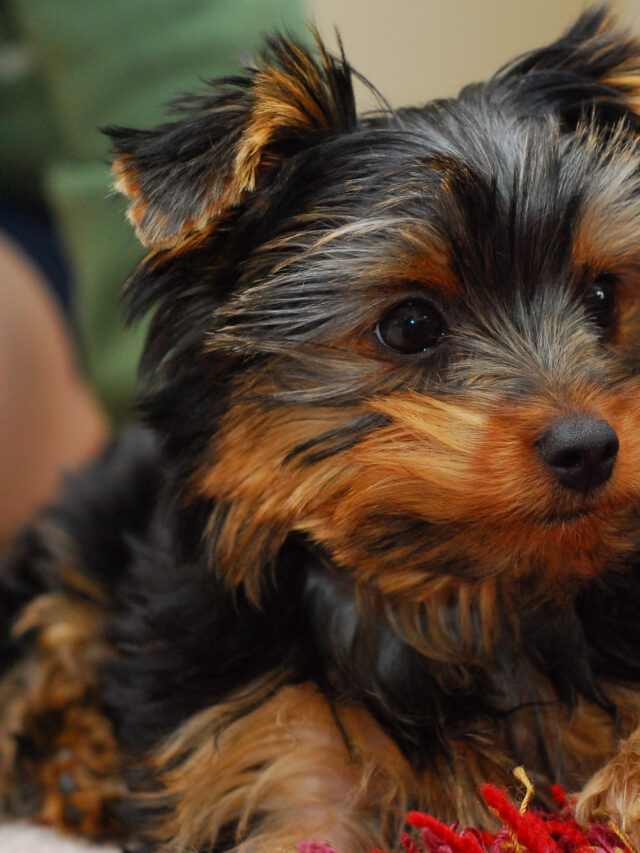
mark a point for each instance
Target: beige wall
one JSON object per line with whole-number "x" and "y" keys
{"x": 415, "y": 50}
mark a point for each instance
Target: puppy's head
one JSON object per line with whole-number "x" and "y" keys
{"x": 413, "y": 338}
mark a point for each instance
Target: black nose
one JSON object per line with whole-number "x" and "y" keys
{"x": 580, "y": 452}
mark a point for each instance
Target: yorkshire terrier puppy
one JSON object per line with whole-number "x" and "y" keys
{"x": 379, "y": 542}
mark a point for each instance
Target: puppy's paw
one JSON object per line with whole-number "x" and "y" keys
{"x": 613, "y": 794}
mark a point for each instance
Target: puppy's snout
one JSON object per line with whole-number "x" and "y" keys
{"x": 580, "y": 452}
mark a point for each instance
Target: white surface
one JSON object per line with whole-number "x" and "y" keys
{"x": 22, "y": 838}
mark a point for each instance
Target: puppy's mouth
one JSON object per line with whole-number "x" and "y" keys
{"x": 570, "y": 517}
{"x": 590, "y": 510}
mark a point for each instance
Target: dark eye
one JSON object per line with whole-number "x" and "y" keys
{"x": 412, "y": 326}
{"x": 600, "y": 300}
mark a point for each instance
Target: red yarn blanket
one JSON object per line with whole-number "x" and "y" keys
{"x": 523, "y": 830}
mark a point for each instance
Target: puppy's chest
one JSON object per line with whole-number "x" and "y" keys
{"x": 530, "y": 696}
{"x": 442, "y": 769}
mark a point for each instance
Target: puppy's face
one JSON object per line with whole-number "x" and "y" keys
{"x": 421, "y": 330}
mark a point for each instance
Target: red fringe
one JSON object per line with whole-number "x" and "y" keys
{"x": 532, "y": 831}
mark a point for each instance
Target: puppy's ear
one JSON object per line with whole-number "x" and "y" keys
{"x": 229, "y": 141}
{"x": 591, "y": 73}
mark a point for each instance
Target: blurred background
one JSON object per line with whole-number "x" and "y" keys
{"x": 416, "y": 50}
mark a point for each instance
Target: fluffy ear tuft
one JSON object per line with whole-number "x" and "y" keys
{"x": 591, "y": 73}
{"x": 182, "y": 175}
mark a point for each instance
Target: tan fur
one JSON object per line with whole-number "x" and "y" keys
{"x": 49, "y": 699}
{"x": 293, "y": 769}
{"x": 322, "y": 776}
{"x": 152, "y": 231}
{"x": 627, "y": 80}
{"x": 256, "y": 529}
{"x": 125, "y": 181}
{"x": 425, "y": 625}
{"x": 282, "y": 100}
{"x": 283, "y": 772}
{"x": 607, "y": 234}
{"x": 290, "y": 100}
{"x": 428, "y": 265}
{"x": 430, "y": 461}
{"x": 613, "y": 794}
{"x": 427, "y": 463}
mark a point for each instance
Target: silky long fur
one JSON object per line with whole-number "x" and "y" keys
{"x": 332, "y": 580}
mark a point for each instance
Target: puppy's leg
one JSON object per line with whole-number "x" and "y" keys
{"x": 58, "y": 761}
{"x": 58, "y": 580}
{"x": 287, "y": 771}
